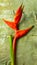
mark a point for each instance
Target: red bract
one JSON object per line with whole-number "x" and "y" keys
{"x": 18, "y": 14}
{"x": 19, "y": 34}
{"x": 17, "y": 18}
{"x": 11, "y": 24}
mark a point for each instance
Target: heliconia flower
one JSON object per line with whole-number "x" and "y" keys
{"x": 16, "y": 20}
{"x": 18, "y": 33}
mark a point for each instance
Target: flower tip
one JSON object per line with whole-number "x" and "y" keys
{"x": 22, "y": 7}
{"x": 3, "y": 19}
{"x": 33, "y": 26}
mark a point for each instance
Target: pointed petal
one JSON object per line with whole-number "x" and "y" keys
{"x": 18, "y": 15}
{"x": 19, "y": 9}
{"x": 10, "y": 24}
{"x": 21, "y": 33}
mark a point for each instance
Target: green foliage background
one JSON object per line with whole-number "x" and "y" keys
{"x": 27, "y": 45}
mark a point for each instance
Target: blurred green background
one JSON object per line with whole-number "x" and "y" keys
{"x": 27, "y": 45}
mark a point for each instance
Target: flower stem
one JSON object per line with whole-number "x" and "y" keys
{"x": 11, "y": 50}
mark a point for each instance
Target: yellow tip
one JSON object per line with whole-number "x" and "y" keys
{"x": 22, "y": 7}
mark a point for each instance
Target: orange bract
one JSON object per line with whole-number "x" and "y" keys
{"x": 17, "y": 18}
{"x": 19, "y": 34}
{"x": 11, "y": 24}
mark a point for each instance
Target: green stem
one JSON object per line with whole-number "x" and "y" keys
{"x": 11, "y": 50}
